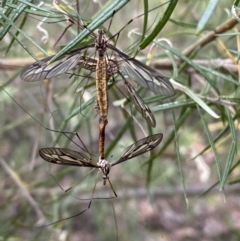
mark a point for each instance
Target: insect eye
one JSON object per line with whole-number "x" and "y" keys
{"x": 106, "y": 170}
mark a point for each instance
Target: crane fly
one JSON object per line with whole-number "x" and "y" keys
{"x": 67, "y": 157}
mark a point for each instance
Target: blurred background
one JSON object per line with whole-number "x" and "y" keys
{"x": 185, "y": 189}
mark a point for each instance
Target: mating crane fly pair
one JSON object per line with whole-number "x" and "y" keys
{"x": 105, "y": 68}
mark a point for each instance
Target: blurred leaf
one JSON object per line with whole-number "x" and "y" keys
{"x": 159, "y": 26}
{"x": 232, "y": 150}
{"x": 207, "y": 14}
{"x": 106, "y": 14}
{"x": 212, "y": 144}
{"x": 195, "y": 98}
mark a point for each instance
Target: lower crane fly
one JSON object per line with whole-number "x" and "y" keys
{"x": 67, "y": 157}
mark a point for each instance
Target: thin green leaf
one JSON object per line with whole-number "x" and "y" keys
{"x": 16, "y": 34}
{"x": 26, "y": 36}
{"x": 15, "y": 15}
{"x": 21, "y": 44}
{"x": 232, "y": 150}
{"x": 159, "y": 25}
{"x": 81, "y": 108}
{"x": 180, "y": 168}
{"x": 115, "y": 6}
{"x": 145, "y": 21}
{"x": 236, "y": 2}
{"x": 188, "y": 25}
{"x": 192, "y": 95}
{"x": 175, "y": 104}
{"x": 212, "y": 144}
{"x": 202, "y": 70}
{"x": 182, "y": 117}
{"x": 207, "y": 14}
{"x": 236, "y": 181}
{"x": 118, "y": 136}
{"x": 217, "y": 138}
{"x": 215, "y": 184}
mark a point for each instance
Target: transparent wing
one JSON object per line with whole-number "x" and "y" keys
{"x": 143, "y": 74}
{"x": 144, "y": 145}
{"x": 41, "y": 70}
{"x": 63, "y": 156}
{"x": 140, "y": 105}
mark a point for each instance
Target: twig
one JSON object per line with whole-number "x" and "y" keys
{"x": 223, "y": 64}
{"x": 212, "y": 35}
{"x": 24, "y": 190}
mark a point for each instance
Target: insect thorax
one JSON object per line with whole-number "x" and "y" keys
{"x": 100, "y": 43}
{"x": 105, "y": 167}
{"x": 112, "y": 67}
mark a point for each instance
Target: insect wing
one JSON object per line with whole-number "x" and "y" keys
{"x": 144, "y": 145}
{"x": 41, "y": 70}
{"x": 63, "y": 156}
{"x": 140, "y": 105}
{"x": 89, "y": 63}
{"x": 147, "y": 77}
{"x": 143, "y": 74}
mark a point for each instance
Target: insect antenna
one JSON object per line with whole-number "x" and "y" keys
{"x": 130, "y": 21}
{"x": 110, "y": 24}
{"x": 64, "y": 31}
{"x": 69, "y": 18}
